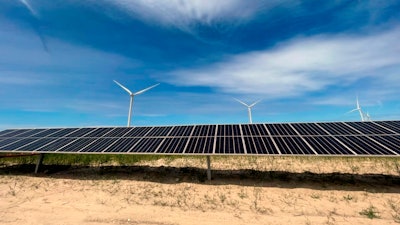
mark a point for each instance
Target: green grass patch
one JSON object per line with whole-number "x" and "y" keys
{"x": 371, "y": 212}
{"x": 85, "y": 159}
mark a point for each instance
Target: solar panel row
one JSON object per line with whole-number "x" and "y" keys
{"x": 351, "y": 138}
{"x": 285, "y": 129}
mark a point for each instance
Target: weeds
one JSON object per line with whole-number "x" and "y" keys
{"x": 315, "y": 196}
{"x": 242, "y": 194}
{"x": 348, "y": 197}
{"x": 371, "y": 212}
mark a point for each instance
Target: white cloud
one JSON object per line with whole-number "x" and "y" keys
{"x": 301, "y": 66}
{"x": 184, "y": 13}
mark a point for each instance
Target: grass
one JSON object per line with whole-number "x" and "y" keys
{"x": 276, "y": 163}
{"x": 85, "y": 159}
{"x": 371, "y": 212}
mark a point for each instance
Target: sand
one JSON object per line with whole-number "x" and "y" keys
{"x": 164, "y": 192}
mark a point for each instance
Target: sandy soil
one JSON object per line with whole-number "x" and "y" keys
{"x": 243, "y": 191}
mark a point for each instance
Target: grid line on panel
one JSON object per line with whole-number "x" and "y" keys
{"x": 389, "y": 126}
{"x": 242, "y": 138}
{"x": 56, "y": 144}
{"x": 190, "y": 136}
{"x": 5, "y": 132}
{"x": 77, "y": 145}
{"x": 123, "y": 144}
{"x": 272, "y": 139}
{"x": 15, "y": 132}
{"x": 389, "y": 141}
{"x": 304, "y": 140}
{"x": 378, "y": 144}
{"x": 369, "y": 128}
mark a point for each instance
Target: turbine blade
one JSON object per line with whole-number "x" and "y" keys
{"x": 146, "y": 89}
{"x": 255, "y": 103}
{"x": 358, "y": 103}
{"x": 123, "y": 87}
{"x": 352, "y": 110}
{"x": 241, "y": 102}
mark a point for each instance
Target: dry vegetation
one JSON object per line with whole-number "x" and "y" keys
{"x": 165, "y": 190}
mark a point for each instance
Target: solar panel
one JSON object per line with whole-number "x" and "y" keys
{"x": 389, "y": 126}
{"x": 379, "y": 138}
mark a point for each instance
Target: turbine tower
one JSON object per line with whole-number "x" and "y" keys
{"x": 132, "y": 95}
{"x": 358, "y": 108}
{"x": 248, "y": 108}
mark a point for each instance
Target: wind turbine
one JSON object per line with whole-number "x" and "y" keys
{"x": 368, "y": 117}
{"x": 358, "y": 108}
{"x": 248, "y": 107}
{"x": 132, "y": 95}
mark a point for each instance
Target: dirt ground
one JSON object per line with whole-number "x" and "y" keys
{"x": 243, "y": 191}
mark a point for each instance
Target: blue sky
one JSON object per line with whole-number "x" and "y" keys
{"x": 307, "y": 60}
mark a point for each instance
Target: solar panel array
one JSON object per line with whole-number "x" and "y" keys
{"x": 331, "y": 138}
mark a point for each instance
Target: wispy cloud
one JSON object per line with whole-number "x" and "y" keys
{"x": 35, "y": 23}
{"x": 29, "y": 7}
{"x": 301, "y": 66}
{"x": 192, "y": 15}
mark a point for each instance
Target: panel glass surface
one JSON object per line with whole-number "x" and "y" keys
{"x": 98, "y": 145}
{"x": 99, "y": 132}
{"x": 338, "y": 129}
{"x": 309, "y": 129}
{"x": 80, "y": 132}
{"x": 392, "y": 143}
{"x": 293, "y": 145}
{"x": 147, "y": 145}
{"x": 47, "y": 132}
{"x": 30, "y": 133}
{"x": 3, "y": 132}
{"x": 280, "y": 129}
{"x": 228, "y": 130}
{"x": 15, "y": 132}
{"x": 18, "y": 144}
{"x": 8, "y": 141}
{"x": 63, "y": 132}
{"x": 123, "y": 145}
{"x": 181, "y": 131}
{"x": 34, "y": 145}
{"x": 118, "y": 132}
{"x": 392, "y": 126}
{"x": 354, "y": 144}
{"x": 55, "y": 144}
{"x": 159, "y": 132}
{"x": 327, "y": 145}
{"x": 137, "y": 131}
{"x": 77, "y": 145}
{"x": 369, "y": 128}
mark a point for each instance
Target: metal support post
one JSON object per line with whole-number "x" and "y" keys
{"x": 39, "y": 162}
{"x": 208, "y": 167}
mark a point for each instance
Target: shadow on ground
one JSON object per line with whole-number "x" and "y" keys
{"x": 169, "y": 175}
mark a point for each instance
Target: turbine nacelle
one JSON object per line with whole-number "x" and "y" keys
{"x": 131, "y": 94}
{"x": 248, "y": 107}
{"x": 364, "y": 117}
